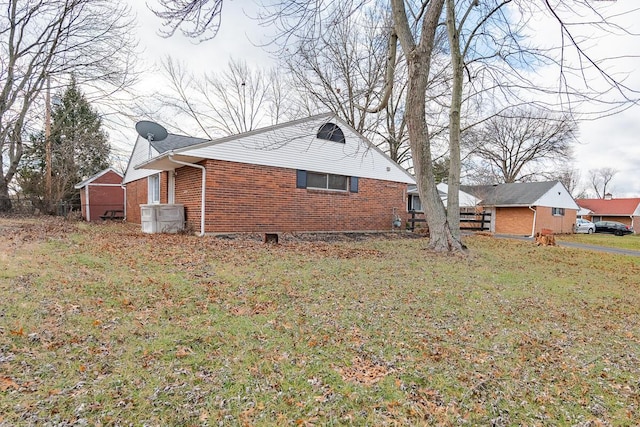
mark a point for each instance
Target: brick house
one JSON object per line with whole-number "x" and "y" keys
{"x": 309, "y": 175}
{"x": 624, "y": 210}
{"x": 527, "y": 208}
{"x": 101, "y": 193}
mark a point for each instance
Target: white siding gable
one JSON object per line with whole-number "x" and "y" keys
{"x": 557, "y": 197}
{"x": 295, "y": 146}
{"x": 140, "y": 154}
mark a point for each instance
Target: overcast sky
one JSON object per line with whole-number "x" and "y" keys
{"x": 607, "y": 142}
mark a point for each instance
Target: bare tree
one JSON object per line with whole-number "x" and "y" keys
{"x": 570, "y": 178}
{"x": 343, "y": 71}
{"x": 237, "y": 100}
{"x": 485, "y": 43}
{"x": 600, "y": 180}
{"x": 521, "y": 144}
{"x": 89, "y": 38}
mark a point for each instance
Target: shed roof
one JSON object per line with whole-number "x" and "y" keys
{"x": 613, "y": 207}
{"x": 96, "y": 176}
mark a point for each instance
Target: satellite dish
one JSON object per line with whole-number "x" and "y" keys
{"x": 151, "y": 131}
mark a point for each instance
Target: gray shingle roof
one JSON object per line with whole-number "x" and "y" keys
{"x": 174, "y": 142}
{"x": 513, "y": 194}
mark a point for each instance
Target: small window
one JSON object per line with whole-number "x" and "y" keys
{"x": 337, "y": 182}
{"x": 414, "y": 203}
{"x": 326, "y": 181}
{"x": 154, "y": 189}
{"x": 331, "y": 132}
{"x": 557, "y": 211}
{"x": 316, "y": 180}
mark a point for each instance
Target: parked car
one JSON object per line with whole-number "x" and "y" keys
{"x": 584, "y": 226}
{"x": 617, "y": 228}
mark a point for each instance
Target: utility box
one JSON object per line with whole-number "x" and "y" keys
{"x": 162, "y": 218}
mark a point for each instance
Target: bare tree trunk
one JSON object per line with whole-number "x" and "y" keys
{"x": 457, "y": 64}
{"x": 5, "y": 201}
{"x": 419, "y": 61}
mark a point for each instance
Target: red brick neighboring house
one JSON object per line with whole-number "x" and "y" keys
{"x": 101, "y": 193}
{"x": 310, "y": 175}
{"x": 626, "y": 210}
{"x": 527, "y": 208}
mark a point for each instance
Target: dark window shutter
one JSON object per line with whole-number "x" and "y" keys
{"x": 301, "y": 179}
{"x": 353, "y": 184}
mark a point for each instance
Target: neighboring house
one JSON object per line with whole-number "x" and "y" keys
{"x": 468, "y": 202}
{"x": 527, "y": 208}
{"x": 626, "y": 210}
{"x": 314, "y": 174}
{"x": 101, "y": 193}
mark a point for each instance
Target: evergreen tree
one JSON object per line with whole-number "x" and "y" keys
{"x": 79, "y": 149}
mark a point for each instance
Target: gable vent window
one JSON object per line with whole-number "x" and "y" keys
{"x": 331, "y": 132}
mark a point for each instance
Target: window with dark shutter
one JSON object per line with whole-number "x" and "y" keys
{"x": 301, "y": 179}
{"x": 353, "y": 184}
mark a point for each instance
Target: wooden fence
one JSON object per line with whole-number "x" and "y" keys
{"x": 469, "y": 221}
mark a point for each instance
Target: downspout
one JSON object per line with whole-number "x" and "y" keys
{"x": 124, "y": 208}
{"x": 86, "y": 203}
{"x": 533, "y": 230}
{"x": 204, "y": 182}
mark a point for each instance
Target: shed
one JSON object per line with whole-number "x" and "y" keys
{"x": 101, "y": 194}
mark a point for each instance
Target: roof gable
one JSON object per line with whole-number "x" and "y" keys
{"x": 143, "y": 151}
{"x": 293, "y": 145}
{"x": 626, "y": 207}
{"x": 549, "y": 194}
{"x": 97, "y": 177}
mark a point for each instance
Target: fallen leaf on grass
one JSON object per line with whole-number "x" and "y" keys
{"x": 6, "y": 383}
{"x": 17, "y": 332}
{"x": 364, "y": 371}
{"x": 183, "y": 352}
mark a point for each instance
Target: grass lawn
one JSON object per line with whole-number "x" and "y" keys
{"x": 102, "y": 325}
{"x": 630, "y": 241}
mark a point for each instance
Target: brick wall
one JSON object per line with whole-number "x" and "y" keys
{"x": 251, "y": 198}
{"x": 136, "y": 196}
{"x": 560, "y": 224}
{"x": 514, "y": 221}
{"x": 519, "y": 221}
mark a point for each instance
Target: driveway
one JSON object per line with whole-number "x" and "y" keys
{"x": 578, "y": 245}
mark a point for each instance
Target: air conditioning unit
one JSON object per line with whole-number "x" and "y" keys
{"x": 162, "y": 218}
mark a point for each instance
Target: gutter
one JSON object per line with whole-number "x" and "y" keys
{"x": 533, "y": 229}
{"x": 204, "y": 181}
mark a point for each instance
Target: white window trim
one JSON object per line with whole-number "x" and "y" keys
{"x": 171, "y": 190}
{"x": 151, "y": 181}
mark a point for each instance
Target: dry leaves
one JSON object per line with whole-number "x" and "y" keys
{"x": 365, "y": 371}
